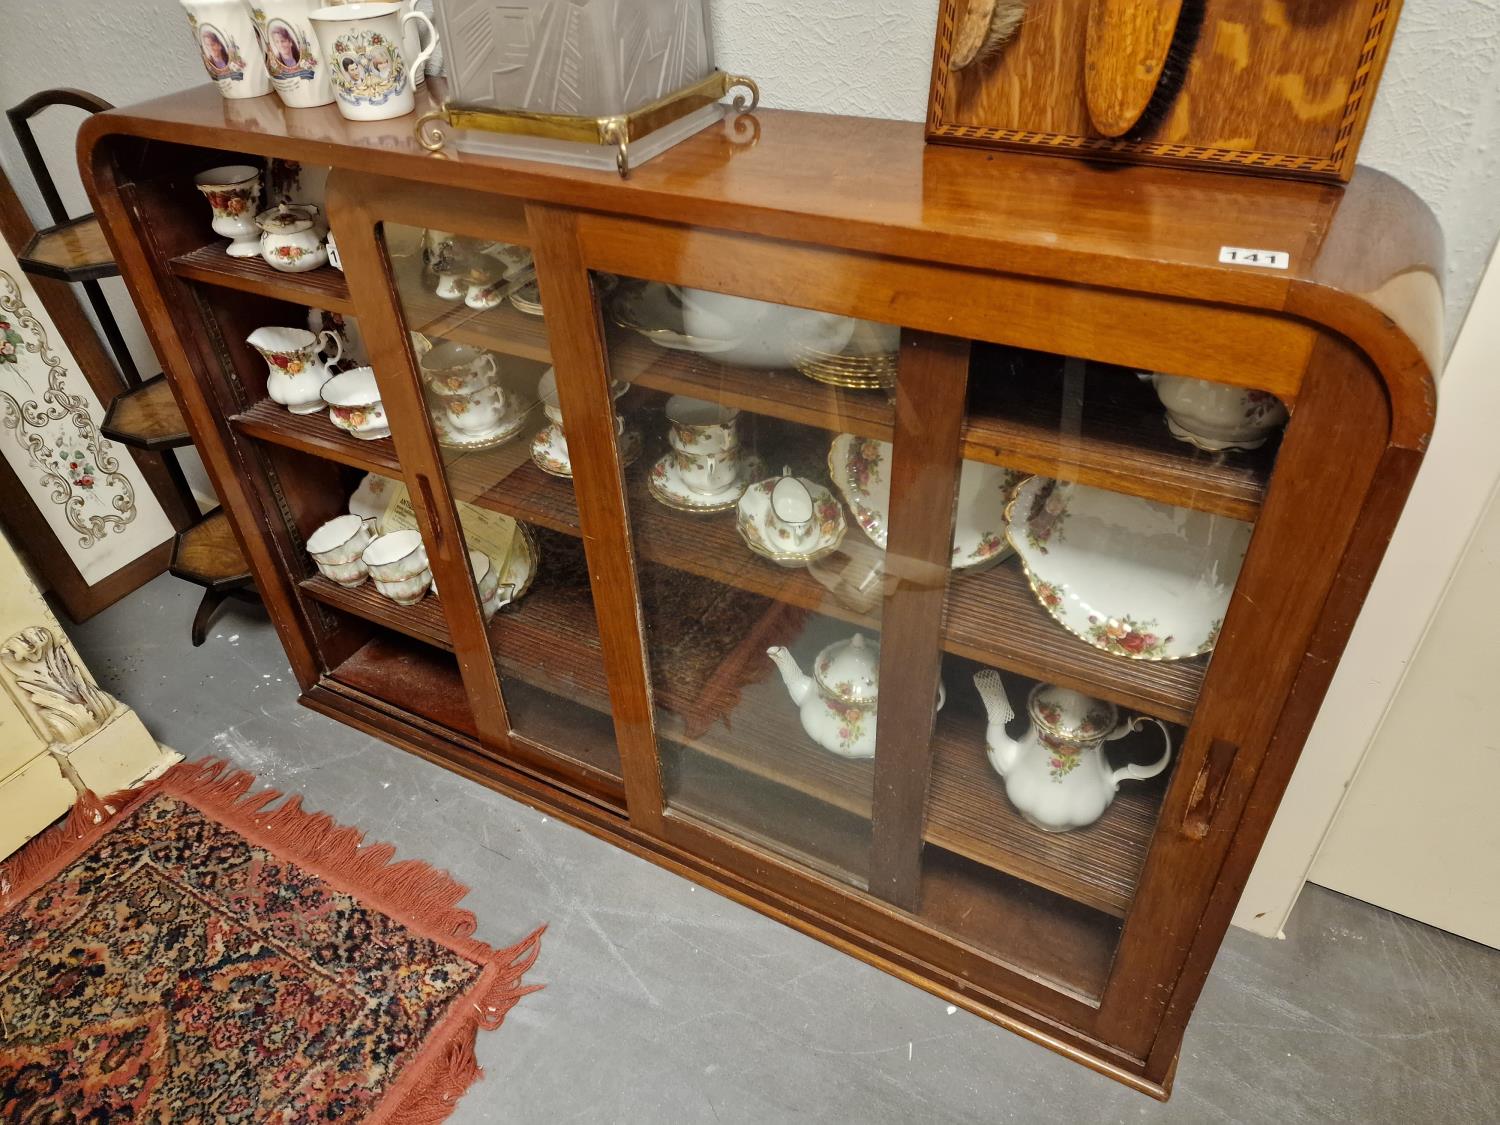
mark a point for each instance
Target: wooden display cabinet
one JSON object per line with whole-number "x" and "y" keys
{"x": 627, "y": 689}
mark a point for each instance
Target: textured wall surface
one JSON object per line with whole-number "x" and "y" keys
{"x": 1435, "y": 126}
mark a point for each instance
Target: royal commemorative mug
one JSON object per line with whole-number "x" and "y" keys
{"x": 296, "y": 65}
{"x": 227, "y": 40}
{"x": 368, "y": 65}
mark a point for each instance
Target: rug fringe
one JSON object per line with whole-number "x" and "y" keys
{"x": 412, "y": 891}
{"x": 46, "y": 848}
{"x": 441, "y": 1079}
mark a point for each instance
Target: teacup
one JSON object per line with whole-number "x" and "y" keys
{"x": 398, "y": 564}
{"x": 337, "y": 548}
{"x": 452, "y": 368}
{"x": 354, "y": 404}
{"x": 477, "y": 413}
{"x": 701, "y": 427}
{"x": 231, "y": 190}
{"x": 296, "y": 375}
{"x": 791, "y": 511}
{"x": 707, "y": 473}
{"x": 487, "y": 585}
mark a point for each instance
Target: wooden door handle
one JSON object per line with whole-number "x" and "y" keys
{"x": 1208, "y": 788}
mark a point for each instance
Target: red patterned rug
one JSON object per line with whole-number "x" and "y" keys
{"x": 182, "y": 953}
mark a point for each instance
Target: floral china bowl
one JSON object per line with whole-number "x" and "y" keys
{"x": 1132, "y": 577}
{"x": 1215, "y": 417}
{"x": 354, "y": 404}
{"x": 772, "y": 541}
{"x": 861, "y": 468}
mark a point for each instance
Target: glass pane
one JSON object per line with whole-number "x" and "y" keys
{"x": 1098, "y": 528}
{"x": 480, "y": 338}
{"x": 762, "y": 596}
{"x": 1074, "y": 663}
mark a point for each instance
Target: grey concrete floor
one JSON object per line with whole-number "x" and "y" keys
{"x": 665, "y": 1002}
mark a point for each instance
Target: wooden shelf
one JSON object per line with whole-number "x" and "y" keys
{"x": 72, "y": 251}
{"x": 992, "y": 617}
{"x": 315, "y": 434}
{"x": 545, "y": 642}
{"x": 147, "y": 417}
{"x": 322, "y": 288}
{"x": 1025, "y": 412}
{"x": 207, "y": 554}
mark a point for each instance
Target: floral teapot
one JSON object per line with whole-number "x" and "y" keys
{"x": 1056, "y": 774}
{"x": 838, "y": 699}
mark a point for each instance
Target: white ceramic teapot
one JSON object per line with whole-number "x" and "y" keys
{"x": 838, "y": 699}
{"x": 1056, "y": 774}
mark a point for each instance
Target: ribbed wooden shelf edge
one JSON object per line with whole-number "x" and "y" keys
{"x": 315, "y": 434}
{"x": 322, "y": 288}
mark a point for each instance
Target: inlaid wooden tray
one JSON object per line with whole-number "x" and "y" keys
{"x": 1274, "y": 87}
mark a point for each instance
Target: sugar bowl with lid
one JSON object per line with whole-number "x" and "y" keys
{"x": 291, "y": 239}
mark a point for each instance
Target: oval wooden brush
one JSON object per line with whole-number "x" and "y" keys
{"x": 1129, "y": 42}
{"x": 981, "y": 27}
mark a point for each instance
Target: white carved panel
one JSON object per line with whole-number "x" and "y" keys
{"x": 91, "y": 492}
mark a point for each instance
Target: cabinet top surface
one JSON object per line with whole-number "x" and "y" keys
{"x": 1364, "y": 260}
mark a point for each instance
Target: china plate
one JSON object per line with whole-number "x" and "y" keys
{"x": 511, "y": 424}
{"x": 1132, "y": 577}
{"x": 370, "y": 499}
{"x": 861, "y": 467}
{"x": 667, "y": 488}
{"x": 755, "y": 529}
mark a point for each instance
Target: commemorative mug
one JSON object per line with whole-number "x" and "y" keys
{"x": 367, "y": 60}
{"x": 230, "y": 48}
{"x": 298, "y": 68}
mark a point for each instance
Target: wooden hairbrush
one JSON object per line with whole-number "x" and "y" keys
{"x": 1136, "y": 57}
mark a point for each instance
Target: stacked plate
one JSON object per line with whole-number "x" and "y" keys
{"x": 867, "y": 362}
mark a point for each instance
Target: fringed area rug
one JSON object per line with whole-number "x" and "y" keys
{"x": 186, "y": 953}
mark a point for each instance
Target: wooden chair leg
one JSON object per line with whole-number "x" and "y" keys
{"x": 212, "y": 600}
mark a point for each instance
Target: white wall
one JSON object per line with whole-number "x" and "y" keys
{"x": 1436, "y": 123}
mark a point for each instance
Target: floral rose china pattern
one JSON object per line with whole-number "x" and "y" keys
{"x": 367, "y": 67}
{"x": 755, "y": 528}
{"x": 1133, "y": 577}
{"x": 860, "y": 467}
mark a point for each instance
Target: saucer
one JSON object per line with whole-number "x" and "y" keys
{"x": 765, "y": 540}
{"x": 511, "y": 424}
{"x": 528, "y": 298}
{"x": 667, "y": 488}
{"x": 550, "y": 451}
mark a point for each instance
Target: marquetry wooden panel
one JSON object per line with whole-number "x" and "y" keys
{"x": 1273, "y": 88}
